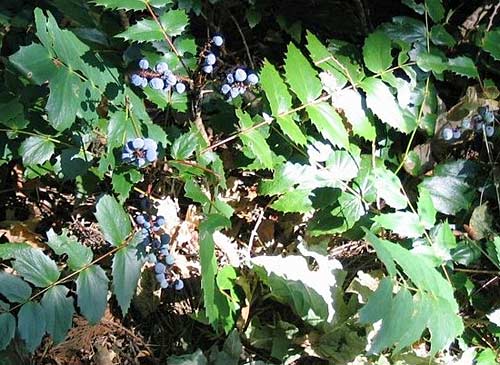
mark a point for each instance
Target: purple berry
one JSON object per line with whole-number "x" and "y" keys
{"x": 252, "y": 79}
{"x": 160, "y": 268}
{"x": 179, "y": 284}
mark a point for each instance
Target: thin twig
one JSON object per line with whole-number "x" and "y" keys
{"x": 493, "y": 15}
{"x": 243, "y": 39}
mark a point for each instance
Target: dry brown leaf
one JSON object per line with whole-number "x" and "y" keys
{"x": 22, "y": 231}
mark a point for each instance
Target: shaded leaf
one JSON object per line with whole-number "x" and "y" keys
{"x": 58, "y": 312}
{"x": 377, "y": 52}
{"x": 113, "y": 221}
{"x": 425, "y": 208}
{"x": 36, "y": 150}
{"x": 7, "y": 329}
{"x": 491, "y": 43}
{"x": 78, "y": 254}
{"x": 36, "y": 267}
{"x": 14, "y": 288}
{"x": 463, "y": 66}
{"x": 122, "y": 4}
{"x": 31, "y": 324}
{"x": 92, "y": 291}
{"x": 126, "y": 271}
{"x": 255, "y": 141}
{"x": 435, "y": 9}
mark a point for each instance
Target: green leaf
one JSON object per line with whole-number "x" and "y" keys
{"x": 58, "y": 312}
{"x": 443, "y": 240}
{"x": 294, "y": 201}
{"x": 184, "y": 146}
{"x": 78, "y": 254}
{"x": 309, "y": 293}
{"x": 9, "y": 250}
{"x": 14, "y": 288}
{"x": 280, "y": 102}
{"x": 31, "y": 325}
{"x": 463, "y": 66}
{"x": 92, "y": 291}
{"x": 7, "y": 329}
{"x": 173, "y": 22}
{"x": 329, "y": 124}
{"x": 436, "y": 10}
{"x": 126, "y": 272}
{"x": 113, "y": 221}
{"x": 350, "y": 208}
{"x": 36, "y": 150}
{"x": 491, "y": 43}
{"x": 301, "y": 76}
{"x": 36, "y": 267}
{"x": 441, "y": 37}
{"x": 389, "y": 187}
{"x": 380, "y": 100}
{"x": 123, "y": 182}
{"x": 377, "y": 52}
{"x": 122, "y": 4}
{"x": 431, "y": 62}
{"x": 406, "y": 224}
{"x": 208, "y": 262}
{"x": 255, "y": 140}
{"x": 194, "y": 192}
{"x": 425, "y": 208}
{"x": 196, "y": 358}
{"x": 35, "y": 63}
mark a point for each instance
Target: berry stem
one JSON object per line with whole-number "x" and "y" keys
{"x": 243, "y": 39}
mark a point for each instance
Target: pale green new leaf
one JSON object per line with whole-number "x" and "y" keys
{"x": 92, "y": 291}
{"x": 491, "y": 43}
{"x": 255, "y": 140}
{"x": 58, "y": 311}
{"x": 126, "y": 271}
{"x": 280, "y": 102}
{"x": 113, "y": 221}
{"x": 329, "y": 124}
{"x": 7, "y": 329}
{"x": 14, "y": 288}
{"x": 78, "y": 254}
{"x": 36, "y": 267}
{"x": 377, "y": 52}
{"x": 406, "y": 224}
{"x": 381, "y": 101}
{"x": 301, "y": 76}
{"x": 31, "y": 324}
{"x": 36, "y": 150}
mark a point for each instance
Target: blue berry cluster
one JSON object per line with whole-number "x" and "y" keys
{"x": 156, "y": 242}
{"x": 237, "y": 82}
{"x": 208, "y": 56}
{"x": 484, "y": 118}
{"x": 140, "y": 151}
{"x": 159, "y": 78}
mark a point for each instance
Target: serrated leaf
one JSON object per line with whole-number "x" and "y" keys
{"x": 36, "y": 267}
{"x": 377, "y": 52}
{"x": 348, "y": 211}
{"x": 7, "y": 329}
{"x": 35, "y": 63}
{"x": 425, "y": 208}
{"x": 381, "y": 101}
{"x": 36, "y": 150}
{"x": 10, "y": 250}
{"x": 31, "y": 324}
{"x": 58, "y": 312}
{"x": 280, "y": 102}
{"x": 405, "y": 224}
{"x": 301, "y": 76}
{"x": 184, "y": 146}
{"x": 294, "y": 201}
{"x": 481, "y": 222}
{"x": 92, "y": 291}
{"x": 122, "y": 4}
{"x": 194, "y": 192}
{"x": 389, "y": 187}
{"x": 491, "y": 43}
{"x": 441, "y": 37}
{"x": 113, "y": 221}
{"x": 78, "y": 254}
{"x": 436, "y": 10}
{"x": 431, "y": 62}
{"x": 126, "y": 272}
{"x": 463, "y": 66}
{"x": 174, "y": 22}
{"x": 309, "y": 293}
{"x": 329, "y": 124}
{"x": 254, "y": 140}
{"x": 14, "y": 288}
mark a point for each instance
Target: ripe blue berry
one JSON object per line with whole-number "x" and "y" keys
{"x": 144, "y": 82}
{"x": 151, "y": 258}
{"x": 160, "y": 277}
{"x": 218, "y": 40}
{"x": 160, "y": 220}
{"x": 456, "y": 133}
{"x": 235, "y": 91}
{"x": 207, "y": 69}
{"x": 169, "y": 260}
{"x": 156, "y": 83}
{"x": 210, "y": 59}
{"x": 479, "y": 126}
{"x": 490, "y": 130}
{"x": 164, "y": 251}
{"x": 138, "y": 143}
{"x": 160, "y": 268}
{"x": 151, "y": 155}
{"x": 144, "y": 64}
{"x": 230, "y": 78}
{"x": 136, "y": 80}
{"x": 140, "y": 162}
{"x": 240, "y": 75}
{"x": 252, "y": 79}
{"x": 171, "y": 79}
{"x": 140, "y": 219}
{"x": 466, "y": 124}
{"x": 165, "y": 239}
{"x": 150, "y": 144}
{"x": 161, "y": 67}
{"x": 180, "y": 87}
{"x": 225, "y": 89}
{"x": 164, "y": 284}
{"x": 447, "y": 134}
{"x": 179, "y": 284}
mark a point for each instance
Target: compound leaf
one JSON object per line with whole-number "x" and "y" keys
{"x": 113, "y": 221}
{"x": 126, "y": 272}
{"x": 14, "y": 288}
{"x": 92, "y": 291}
{"x": 58, "y": 310}
{"x": 36, "y": 267}
{"x": 31, "y": 324}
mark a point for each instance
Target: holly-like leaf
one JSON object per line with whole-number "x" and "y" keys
{"x": 35, "y": 63}
{"x": 406, "y": 224}
{"x": 389, "y": 187}
{"x": 255, "y": 141}
{"x": 122, "y": 4}
{"x": 113, "y": 221}
{"x": 294, "y": 201}
{"x": 14, "y": 288}
{"x": 463, "y": 66}
{"x": 58, "y": 312}
{"x": 280, "y": 102}
{"x": 425, "y": 209}
{"x": 381, "y": 101}
{"x": 431, "y": 62}
{"x": 301, "y": 76}
{"x": 36, "y": 267}
{"x": 491, "y": 43}
{"x": 78, "y": 254}
{"x": 92, "y": 291}
{"x": 36, "y": 150}
{"x": 436, "y": 10}
{"x": 329, "y": 124}
{"x": 377, "y": 52}
{"x": 441, "y": 37}
{"x": 31, "y": 324}
{"x": 7, "y": 329}
{"x": 126, "y": 272}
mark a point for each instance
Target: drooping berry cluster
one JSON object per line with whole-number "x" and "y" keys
{"x": 140, "y": 151}
{"x": 161, "y": 78}
{"x": 237, "y": 82}
{"x": 156, "y": 243}
{"x": 208, "y": 57}
{"x": 485, "y": 118}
